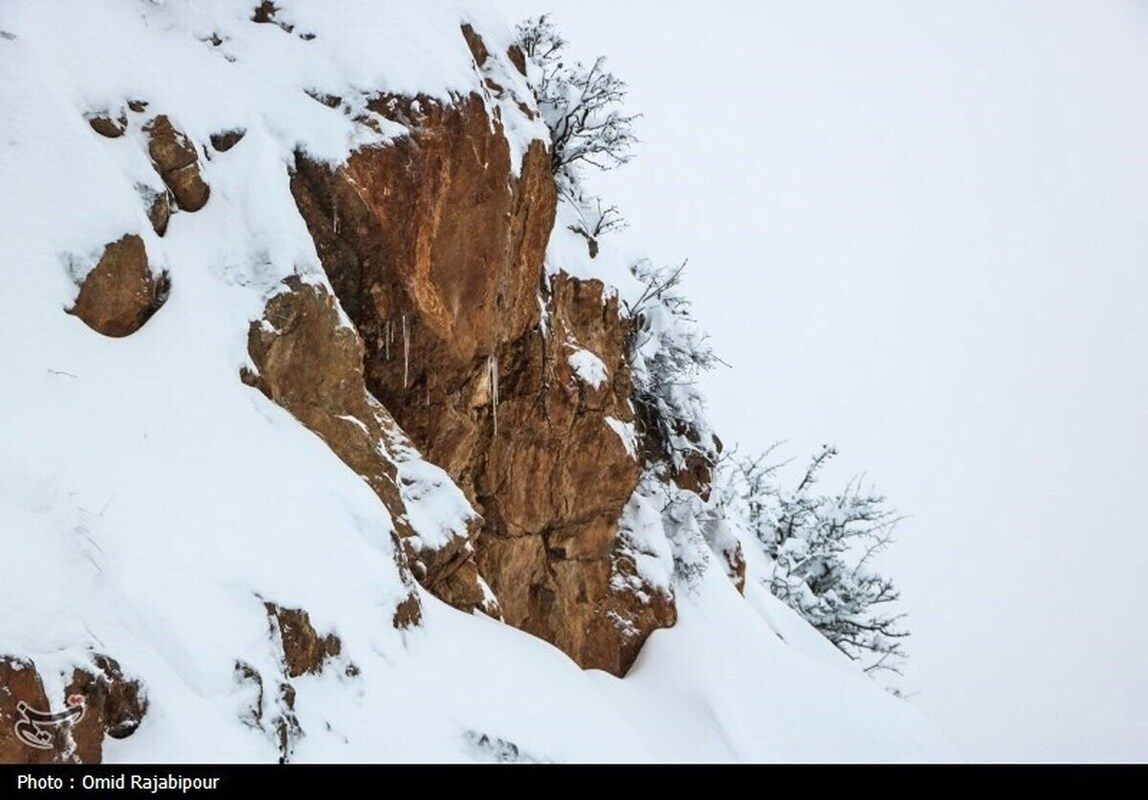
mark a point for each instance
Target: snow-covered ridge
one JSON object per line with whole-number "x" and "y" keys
{"x": 152, "y": 503}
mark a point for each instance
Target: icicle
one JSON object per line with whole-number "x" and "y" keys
{"x": 387, "y": 339}
{"x": 406, "y": 351}
{"x": 492, "y": 365}
{"x": 335, "y": 216}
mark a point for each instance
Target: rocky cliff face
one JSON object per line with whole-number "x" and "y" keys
{"x": 305, "y": 343}
{"x": 435, "y": 246}
{"x": 448, "y": 369}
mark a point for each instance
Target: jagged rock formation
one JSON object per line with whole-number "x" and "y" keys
{"x": 112, "y": 705}
{"x": 311, "y": 363}
{"x": 387, "y": 364}
{"x": 304, "y": 650}
{"x": 434, "y": 245}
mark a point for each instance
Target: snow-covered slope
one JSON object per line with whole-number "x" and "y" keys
{"x": 151, "y": 502}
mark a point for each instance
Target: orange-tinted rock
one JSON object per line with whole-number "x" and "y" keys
{"x": 121, "y": 292}
{"x": 108, "y": 126}
{"x": 435, "y": 250}
{"x": 115, "y": 707}
{"x": 475, "y": 43}
{"x": 408, "y": 613}
{"x": 310, "y": 363}
{"x": 434, "y": 228}
{"x": 304, "y": 650}
{"x": 20, "y": 683}
{"x": 112, "y": 706}
{"x": 159, "y": 212}
{"x": 551, "y": 485}
{"x": 177, "y": 162}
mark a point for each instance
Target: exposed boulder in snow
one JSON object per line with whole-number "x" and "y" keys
{"x": 304, "y": 650}
{"x": 159, "y": 208}
{"x": 115, "y": 706}
{"x": 475, "y": 43}
{"x": 37, "y": 727}
{"x": 225, "y": 140}
{"x": 121, "y": 292}
{"x": 177, "y": 162}
{"x": 108, "y": 126}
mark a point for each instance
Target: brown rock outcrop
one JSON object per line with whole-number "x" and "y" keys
{"x": 434, "y": 246}
{"x": 113, "y": 705}
{"x": 177, "y": 162}
{"x": 121, "y": 292}
{"x": 552, "y": 481}
{"x": 226, "y": 140}
{"x": 304, "y": 650}
{"x": 107, "y": 125}
{"x": 20, "y": 683}
{"x": 159, "y": 212}
{"x": 310, "y": 363}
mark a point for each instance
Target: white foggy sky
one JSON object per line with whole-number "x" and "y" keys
{"x": 918, "y": 230}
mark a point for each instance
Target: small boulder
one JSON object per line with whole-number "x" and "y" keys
{"x": 176, "y": 160}
{"x": 121, "y": 292}
{"x": 226, "y": 140}
{"x": 517, "y": 58}
{"x": 108, "y": 126}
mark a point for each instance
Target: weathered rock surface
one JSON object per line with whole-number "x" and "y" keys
{"x": 304, "y": 650}
{"x": 434, "y": 246}
{"x": 121, "y": 292}
{"x": 113, "y": 706}
{"x": 159, "y": 211}
{"x": 20, "y": 683}
{"x": 177, "y": 162}
{"x": 226, "y": 140}
{"x": 311, "y": 363}
{"x": 107, "y": 125}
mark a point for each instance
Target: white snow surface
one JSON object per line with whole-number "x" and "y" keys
{"x": 150, "y": 501}
{"x": 588, "y": 367}
{"x": 627, "y": 433}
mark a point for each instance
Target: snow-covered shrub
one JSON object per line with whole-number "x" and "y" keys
{"x": 581, "y": 105}
{"x": 669, "y": 351}
{"x": 820, "y": 548}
